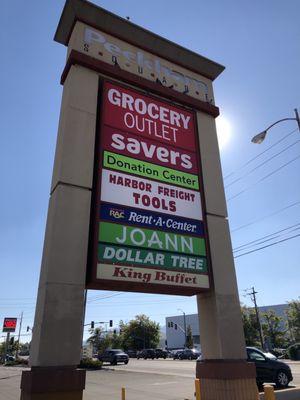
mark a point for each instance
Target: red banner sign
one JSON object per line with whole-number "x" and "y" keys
{"x": 148, "y": 150}
{"x": 9, "y": 324}
{"x": 131, "y": 111}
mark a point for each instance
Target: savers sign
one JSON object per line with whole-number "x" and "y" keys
{"x": 148, "y": 229}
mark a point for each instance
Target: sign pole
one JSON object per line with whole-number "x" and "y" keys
{"x": 6, "y": 345}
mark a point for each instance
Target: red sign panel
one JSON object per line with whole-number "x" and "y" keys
{"x": 144, "y": 149}
{"x": 133, "y": 112}
{"x": 9, "y": 324}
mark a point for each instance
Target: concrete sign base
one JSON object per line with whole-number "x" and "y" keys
{"x": 52, "y": 383}
{"x": 227, "y": 380}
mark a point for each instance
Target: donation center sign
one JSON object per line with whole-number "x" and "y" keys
{"x": 148, "y": 231}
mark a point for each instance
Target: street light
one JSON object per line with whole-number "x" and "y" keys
{"x": 184, "y": 325}
{"x": 260, "y": 137}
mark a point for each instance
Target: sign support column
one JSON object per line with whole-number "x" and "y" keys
{"x": 58, "y": 326}
{"x": 224, "y": 372}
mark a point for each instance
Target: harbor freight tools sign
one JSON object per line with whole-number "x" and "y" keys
{"x": 9, "y": 324}
{"x": 148, "y": 230}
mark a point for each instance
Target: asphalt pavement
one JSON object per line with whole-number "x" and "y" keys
{"x": 142, "y": 379}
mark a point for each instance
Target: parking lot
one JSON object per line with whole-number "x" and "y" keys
{"x": 143, "y": 379}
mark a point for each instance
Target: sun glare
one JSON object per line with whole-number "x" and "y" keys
{"x": 223, "y": 131}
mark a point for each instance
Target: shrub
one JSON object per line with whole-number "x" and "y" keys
{"x": 18, "y": 361}
{"x": 294, "y": 351}
{"x": 89, "y": 363}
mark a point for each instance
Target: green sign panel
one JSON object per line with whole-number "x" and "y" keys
{"x": 148, "y": 170}
{"x": 153, "y": 258}
{"x": 150, "y": 239}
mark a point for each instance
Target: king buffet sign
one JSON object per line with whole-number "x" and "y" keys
{"x": 148, "y": 233}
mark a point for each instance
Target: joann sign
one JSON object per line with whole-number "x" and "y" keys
{"x": 148, "y": 231}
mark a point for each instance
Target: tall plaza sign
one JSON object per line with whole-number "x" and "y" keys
{"x": 136, "y": 201}
{"x": 149, "y": 233}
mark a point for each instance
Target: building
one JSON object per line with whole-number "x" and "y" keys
{"x": 175, "y": 333}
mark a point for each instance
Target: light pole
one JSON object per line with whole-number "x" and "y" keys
{"x": 260, "y": 137}
{"x": 184, "y": 325}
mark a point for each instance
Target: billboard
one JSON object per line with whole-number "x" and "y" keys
{"x": 148, "y": 232}
{"x": 9, "y": 324}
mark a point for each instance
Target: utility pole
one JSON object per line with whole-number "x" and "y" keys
{"x": 252, "y": 295}
{"x": 6, "y": 345}
{"x": 20, "y": 327}
{"x": 297, "y": 118}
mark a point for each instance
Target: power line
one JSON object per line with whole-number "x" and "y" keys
{"x": 146, "y": 303}
{"x": 260, "y": 165}
{"x": 105, "y": 297}
{"x": 263, "y": 178}
{"x": 263, "y": 152}
{"x": 267, "y": 236}
{"x": 265, "y": 217}
{"x": 269, "y": 245}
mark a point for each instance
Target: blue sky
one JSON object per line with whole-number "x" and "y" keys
{"x": 259, "y": 44}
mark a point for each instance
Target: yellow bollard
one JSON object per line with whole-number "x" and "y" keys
{"x": 269, "y": 392}
{"x": 123, "y": 394}
{"x": 197, "y": 389}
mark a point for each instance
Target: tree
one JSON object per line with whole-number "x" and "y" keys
{"x": 140, "y": 333}
{"x": 293, "y": 316}
{"x": 273, "y": 329}
{"x": 251, "y": 328}
{"x": 189, "y": 338}
{"x": 98, "y": 340}
{"x": 116, "y": 340}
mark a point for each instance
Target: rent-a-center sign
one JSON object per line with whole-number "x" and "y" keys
{"x": 148, "y": 231}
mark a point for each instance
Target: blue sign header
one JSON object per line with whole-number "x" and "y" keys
{"x": 132, "y": 216}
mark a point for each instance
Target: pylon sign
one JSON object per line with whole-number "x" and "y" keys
{"x": 148, "y": 231}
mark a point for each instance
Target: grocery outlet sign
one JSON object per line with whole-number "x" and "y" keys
{"x": 148, "y": 232}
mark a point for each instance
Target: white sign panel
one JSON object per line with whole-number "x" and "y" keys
{"x": 150, "y": 195}
{"x": 145, "y": 275}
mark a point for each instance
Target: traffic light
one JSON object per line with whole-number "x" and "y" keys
{"x": 175, "y": 326}
{"x": 171, "y": 324}
{"x": 28, "y": 327}
{"x": 110, "y": 323}
{"x": 92, "y": 324}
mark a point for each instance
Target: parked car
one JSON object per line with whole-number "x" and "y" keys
{"x": 146, "y": 353}
{"x": 189, "y": 354}
{"x": 131, "y": 353}
{"x": 160, "y": 353}
{"x": 9, "y": 358}
{"x": 114, "y": 356}
{"x": 269, "y": 369}
{"x": 175, "y": 353}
